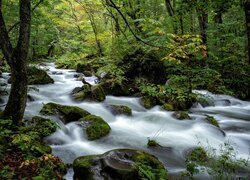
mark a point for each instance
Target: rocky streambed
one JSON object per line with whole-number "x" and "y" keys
{"x": 131, "y": 128}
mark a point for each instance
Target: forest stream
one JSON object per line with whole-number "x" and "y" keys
{"x": 176, "y": 137}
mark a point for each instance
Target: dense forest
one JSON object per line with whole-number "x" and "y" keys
{"x": 132, "y": 89}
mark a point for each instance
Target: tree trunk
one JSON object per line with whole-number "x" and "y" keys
{"x": 17, "y": 100}
{"x": 171, "y": 13}
{"x": 218, "y": 17}
{"x": 247, "y": 13}
{"x": 17, "y": 59}
{"x": 203, "y": 21}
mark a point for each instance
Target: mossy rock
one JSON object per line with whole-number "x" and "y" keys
{"x": 111, "y": 87}
{"x": 182, "y": 115}
{"x": 213, "y": 121}
{"x": 66, "y": 113}
{"x": 88, "y": 73}
{"x": 88, "y": 92}
{"x": 97, "y": 93}
{"x": 120, "y": 109}
{"x": 148, "y": 102}
{"x": 153, "y": 143}
{"x": 167, "y": 107}
{"x": 38, "y": 76}
{"x": 96, "y": 127}
{"x": 124, "y": 164}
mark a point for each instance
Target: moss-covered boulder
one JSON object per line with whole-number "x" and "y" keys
{"x": 182, "y": 115}
{"x": 66, "y": 113}
{"x": 38, "y": 76}
{"x": 88, "y": 92}
{"x": 96, "y": 127}
{"x": 148, "y": 102}
{"x": 120, "y": 109}
{"x": 167, "y": 107}
{"x": 83, "y": 67}
{"x": 88, "y": 73}
{"x": 112, "y": 87}
{"x": 123, "y": 164}
{"x": 213, "y": 121}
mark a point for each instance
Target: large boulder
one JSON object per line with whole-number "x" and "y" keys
{"x": 65, "y": 113}
{"x": 88, "y": 92}
{"x": 145, "y": 65}
{"x": 122, "y": 164}
{"x": 95, "y": 127}
{"x": 38, "y": 76}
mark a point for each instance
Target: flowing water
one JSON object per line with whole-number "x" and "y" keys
{"x": 176, "y": 136}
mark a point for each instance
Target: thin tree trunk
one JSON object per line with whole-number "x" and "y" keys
{"x": 218, "y": 18}
{"x": 203, "y": 21}
{"x": 181, "y": 24}
{"x": 17, "y": 59}
{"x": 247, "y": 14}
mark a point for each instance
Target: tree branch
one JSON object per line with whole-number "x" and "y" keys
{"x": 17, "y": 23}
{"x": 112, "y": 4}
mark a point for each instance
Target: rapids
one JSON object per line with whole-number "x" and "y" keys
{"x": 176, "y": 136}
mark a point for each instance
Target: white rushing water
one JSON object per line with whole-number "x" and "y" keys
{"x": 176, "y": 136}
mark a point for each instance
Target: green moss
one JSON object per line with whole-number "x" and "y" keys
{"x": 148, "y": 102}
{"x": 152, "y": 143}
{"x": 213, "y": 121}
{"x": 119, "y": 109}
{"x": 38, "y": 76}
{"x": 167, "y": 107}
{"x": 79, "y": 96}
{"x": 96, "y": 128}
{"x": 131, "y": 164}
{"x": 88, "y": 92}
{"x": 67, "y": 113}
{"x": 97, "y": 93}
{"x": 182, "y": 115}
{"x": 82, "y": 166}
{"x": 149, "y": 167}
{"x": 198, "y": 154}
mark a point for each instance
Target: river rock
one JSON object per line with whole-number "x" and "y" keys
{"x": 182, "y": 115}
{"x": 66, "y": 113}
{"x": 95, "y": 127}
{"x": 38, "y": 76}
{"x": 88, "y": 92}
{"x": 122, "y": 164}
{"x": 148, "y": 102}
{"x": 120, "y": 109}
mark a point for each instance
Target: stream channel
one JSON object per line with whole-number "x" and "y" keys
{"x": 176, "y": 136}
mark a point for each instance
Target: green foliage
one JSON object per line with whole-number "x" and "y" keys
{"x": 224, "y": 165}
{"x": 179, "y": 98}
{"x": 183, "y": 48}
{"x": 114, "y": 74}
{"x": 149, "y": 167}
{"x": 24, "y": 155}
